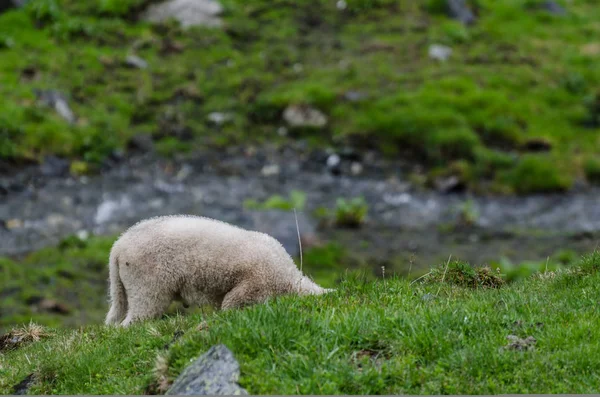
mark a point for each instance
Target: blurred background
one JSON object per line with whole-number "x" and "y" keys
{"x": 402, "y": 133}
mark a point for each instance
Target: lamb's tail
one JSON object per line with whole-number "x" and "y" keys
{"x": 118, "y": 295}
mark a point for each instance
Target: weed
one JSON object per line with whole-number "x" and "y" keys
{"x": 350, "y": 212}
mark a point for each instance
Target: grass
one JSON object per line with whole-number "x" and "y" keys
{"x": 498, "y": 93}
{"x": 384, "y": 337}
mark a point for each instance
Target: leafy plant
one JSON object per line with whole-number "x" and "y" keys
{"x": 350, "y": 213}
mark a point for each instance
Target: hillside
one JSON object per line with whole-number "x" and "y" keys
{"x": 513, "y": 108}
{"x": 445, "y": 334}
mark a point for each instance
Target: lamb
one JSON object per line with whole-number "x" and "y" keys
{"x": 197, "y": 260}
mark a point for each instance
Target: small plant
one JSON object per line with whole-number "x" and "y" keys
{"x": 538, "y": 174}
{"x": 468, "y": 213}
{"x": 592, "y": 170}
{"x": 296, "y": 200}
{"x": 350, "y": 213}
{"x": 463, "y": 274}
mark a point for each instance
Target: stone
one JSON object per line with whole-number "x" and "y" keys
{"x": 304, "y": 116}
{"x": 187, "y": 12}
{"x": 22, "y": 387}
{"x": 439, "y": 52}
{"x": 553, "y": 8}
{"x": 135, "y": 61}
{"x": 55, "y": 166}
{"x": 450, "y": 184}
{"x": 215, "y": 373}
{"x": 6, "y": 5}
{"x": 219, "y": 118}
{"x": 57, "y": 101}
{"x": 459, "y": 10}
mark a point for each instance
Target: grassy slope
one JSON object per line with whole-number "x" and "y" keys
{"x": 518, "y": 74}
{"x": 380, "y": 337}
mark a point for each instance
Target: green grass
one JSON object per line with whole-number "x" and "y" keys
{"x": 508, "y": 76}
{"x": 389, "y": 336}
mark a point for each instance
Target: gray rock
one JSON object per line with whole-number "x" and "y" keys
{"x": 8, "y": 4}
{"x": 186, "y": 12}
{"x": 304, "y": 116}
{"x": 553, "y": 8}
{"x": 219, "y": 118}
{"x": 54, "y": 166}
{"x": 136, "y": 62}
{"x": 458, "y": 9}
{"x": 57, "y": 101}
{"x": 214, "y": 373}
{"x": 439, "y": 52}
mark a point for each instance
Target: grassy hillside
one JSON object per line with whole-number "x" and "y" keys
{"x": 444, "y": 334}
{"x": 514, "y": 109}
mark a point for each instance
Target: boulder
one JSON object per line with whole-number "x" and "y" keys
{"x": 186, "y": 12}
{"x": 214, "y": 373}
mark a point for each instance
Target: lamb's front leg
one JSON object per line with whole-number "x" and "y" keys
{"x": 245, "y": 293}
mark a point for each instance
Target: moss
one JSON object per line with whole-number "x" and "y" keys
{"x": 592, "y": 170}
{"x": 538, "y": 174}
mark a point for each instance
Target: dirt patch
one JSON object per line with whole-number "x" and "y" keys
{"x": 520, "y": 344}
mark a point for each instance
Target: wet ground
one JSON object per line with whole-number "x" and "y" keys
{"x": 406, "y": 226}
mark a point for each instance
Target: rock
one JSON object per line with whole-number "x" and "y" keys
{"x": 8, "y": 4}
{"x": 458, "y": 9}
{"x": 23, "y": 386}
{"x": 142, "y": 142}
{"x": 304, "y": 116}
{"x": 215, "y": 373}
{"x": 334, "y": 164}
{"x": 55, "y": 166}
{"x": 52, "y": 306}
{"x": 356, "y": 168}
{"x": 48, "y": 305}
{"x": 135, "y": 61}
{"x": 354, "y": 96}
{"x": 218, "y": 118}
{"x": 270, "y": 170}
{"x": 519, "y": 344}
{"x": 282, "y": 226}
{"x": 57, "y": 101}
{"x": 186, "y": 12}
{"x": 439, "y": 52}
{"x": 450, "y": 184}
{"x": 553, "y": 8}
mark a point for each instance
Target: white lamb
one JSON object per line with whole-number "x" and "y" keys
{"x": 199, "y": 261}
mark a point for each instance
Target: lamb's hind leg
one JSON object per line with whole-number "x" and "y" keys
{"x": 147, "y": 305}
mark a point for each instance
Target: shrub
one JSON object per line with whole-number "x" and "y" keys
{"x": 463, "y": 274}
{"x": 592, "y": 170}
{"x": 538, "y": 174}
{"x": 296, "y": 200}
{"x": 350, "y": 213}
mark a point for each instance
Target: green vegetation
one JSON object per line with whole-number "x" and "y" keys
{"x": 486, "y": 106}
{"x": 66, "y": 285}
{"x": 350, "y": 213}
{"x": 384, "y": 337}
{"x": 296, "y": 200}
